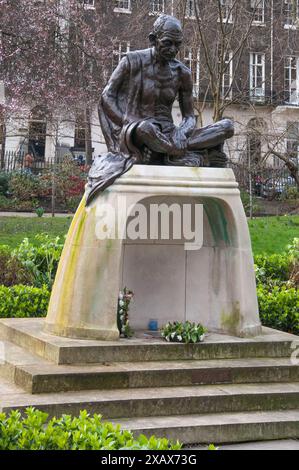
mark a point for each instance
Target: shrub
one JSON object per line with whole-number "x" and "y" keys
{"x": 25, "y": 186}
{"x": 34, "y": 432}
{"x": 273, "y": 267}
{"x": 6, "y": 203}
{"x": 183, "y": 332}
{"x": 279, "y": 308}
{"x": 23, "y": 301}
{"x": 4, "y": 183}
{"x": 291, "y": 192}
{"x": 12, "y": 270}
{"x": 41, "y": 261}
{"x": 39, "y": 211}
{"x": 73, "y": 202}
{"x": 293, "y": 251}
{"x": 245, "y": 198}
{"x": 70, "y": 182}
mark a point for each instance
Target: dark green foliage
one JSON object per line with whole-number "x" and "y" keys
{"x": 42, "y": 260}
{"x": 35, "y": 432}
{"x": 183, "y": 332}
{"x": 123, "y": 323}
{"x": 277, "y": 288}
{"x": 279, "y": 308}
{"x": 4, "y": 183}
{"x": 23, "y": 301}
{"x": 12, "y": 270}
{"x": 276, "y": 266}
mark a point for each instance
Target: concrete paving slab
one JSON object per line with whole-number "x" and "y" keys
{"x": 286, "y": 444}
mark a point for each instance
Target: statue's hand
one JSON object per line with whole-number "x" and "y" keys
{"x": 180, "y": 139}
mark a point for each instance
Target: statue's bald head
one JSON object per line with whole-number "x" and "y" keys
{"x": 166, "y": 23}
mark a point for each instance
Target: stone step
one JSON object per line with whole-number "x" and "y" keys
{"x": 28, "y": 333}
{"x": 219, "y": 427}
{"x": 45, "y": 378}
{"x": 37, "y": 375}
{"x": 150, "y": 402}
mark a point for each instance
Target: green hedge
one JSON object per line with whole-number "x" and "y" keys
{"x": 279, "y": 307}
{"x": 12, "y": 270}
{"x": 35, "y": 432}
{"x": 275, "y": 266}
{"x": 23, "y": 301}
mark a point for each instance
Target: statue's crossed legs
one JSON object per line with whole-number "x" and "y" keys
{"x": 202, "y": 144}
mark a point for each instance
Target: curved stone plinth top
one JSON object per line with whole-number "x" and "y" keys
{"x": 178, "y": 176}
{"x": 176, "y": 181}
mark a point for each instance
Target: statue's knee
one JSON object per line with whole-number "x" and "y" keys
{"x": 228, "y": 127}
{"x": 144, "y": 128}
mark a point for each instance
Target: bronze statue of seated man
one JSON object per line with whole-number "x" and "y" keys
{"x": 136, "y": 112}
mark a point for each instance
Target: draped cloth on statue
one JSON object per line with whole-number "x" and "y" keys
{"x": 134, "y": 100}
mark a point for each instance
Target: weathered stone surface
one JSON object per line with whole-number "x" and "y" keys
{"x": 219, "y": 428}
{"x": 233, "y": 390}
{"x": 163, "y": 401}
{"x": 28, "y": 333}
{"x": 214, "y": 285}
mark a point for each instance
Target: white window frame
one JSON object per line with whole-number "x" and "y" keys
{"x": 153, "y": 7}
{"x": 123, "y": 47}
{"x": 127, "y": 9}
{"x": 228, "y": 72}
{"x": 289, "y": 141}
{"x": 190, "y": 9}
{"x": 190, "y": 61}
{"x": 291, "y": 86}
{"x": 227, "y": 6}
{"x": 288, "y": 11}
{"x": 89, "y": 4}
{"x": 258, "y": 8}
{"x": 257, "y": 59}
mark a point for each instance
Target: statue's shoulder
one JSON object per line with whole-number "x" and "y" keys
{"x": 184, "y": 70}
{"x": 142, "y": 55}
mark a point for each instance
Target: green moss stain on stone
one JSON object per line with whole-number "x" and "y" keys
{"x": 217, "y": 220}
{"x": 230, "y": 321}
{"x": 62, "y": 292}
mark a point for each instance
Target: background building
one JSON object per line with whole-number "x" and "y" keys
{"x": 244, "y": 58}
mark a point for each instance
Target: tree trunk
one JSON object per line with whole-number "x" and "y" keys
{"x": 2, "y": 156}
{"x": 88, "y": 144}
{"x": 292, "y": 167}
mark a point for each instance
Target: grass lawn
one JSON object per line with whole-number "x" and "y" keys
{"x": 14, "y": 229}
{"x": 272, "y": 234}
{"x": 268, "y": 234}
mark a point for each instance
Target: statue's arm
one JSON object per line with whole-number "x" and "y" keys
{"x": 109, "y": 98}
{"x": 186, "y": 102}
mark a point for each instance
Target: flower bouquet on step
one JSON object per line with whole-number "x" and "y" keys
{"x": 187, "y": 332}
{"x": 123, "y": 324}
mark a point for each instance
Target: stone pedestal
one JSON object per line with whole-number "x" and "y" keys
{"x": 211, "y": 281}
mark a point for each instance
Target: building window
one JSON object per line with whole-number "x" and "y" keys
{"x": 80, "y": 134}
{"x": 291, "y": 76}
{"x": 292, "y": 141}
{"x": 226, "y": 90}
{"x": 122, "y": 6}
{"x": 37, "y": 128}
{"x": 89, "y": 4}
{"x": 257, "y": 76}
{"x": 191, "y": 60}
{"x": 120, "y": 50}
{"x": 226, "y": 11}
{"x": 190, "y": 9}
{"x": 291, "y": 12}
{"x": 258, "y": 10}
{"x": 157, "y": 7}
